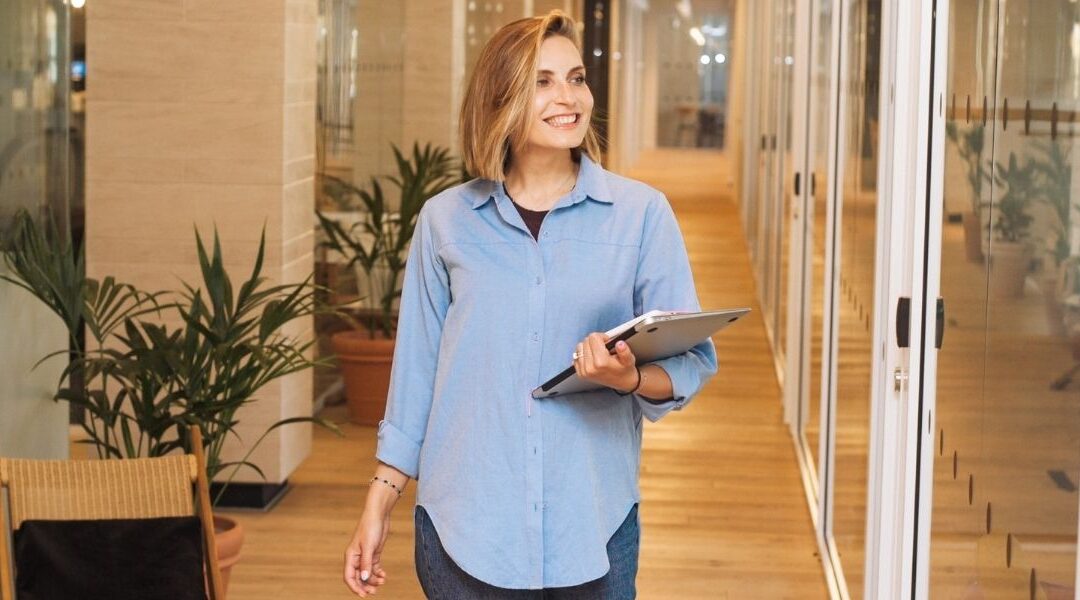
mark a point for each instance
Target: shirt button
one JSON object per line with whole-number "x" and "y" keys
{"x": 536, "y": 337}
{"x": 539, "y": 280}
{"x": 547, "y": 234}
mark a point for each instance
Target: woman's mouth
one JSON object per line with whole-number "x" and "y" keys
{"x": 563, "y": 121}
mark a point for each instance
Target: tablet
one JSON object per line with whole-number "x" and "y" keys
{"x": 652, "y": 338}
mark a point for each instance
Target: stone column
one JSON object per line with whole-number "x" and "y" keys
{"x": 434, "y": 67}
{"x": 201, "y": 113}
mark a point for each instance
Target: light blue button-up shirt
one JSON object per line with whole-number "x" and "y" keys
{"x": 526, "y": 493}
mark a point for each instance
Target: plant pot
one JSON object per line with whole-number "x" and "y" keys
{"x": 1009, "y": 263}
{"x": 1050, "y": 284}
{"x": 229, "y": 537}
{"x": 972, "y": 237}
{"x": 365, "y": 367}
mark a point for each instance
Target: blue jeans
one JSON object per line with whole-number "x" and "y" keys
{"x": 442, "y": 579}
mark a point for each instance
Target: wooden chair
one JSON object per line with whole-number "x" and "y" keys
{"x": 139, "y": 488}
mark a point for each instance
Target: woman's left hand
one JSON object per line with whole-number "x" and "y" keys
{"x": 594, "y": 363}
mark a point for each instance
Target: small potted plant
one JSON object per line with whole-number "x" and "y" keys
{"x": 1054, "y": 181}
{"x": 970, "y": 145}
{"x": 1010, "y": 252}
{"x": 143, "y": 382}
{"x": 1070, "y": 301}
{"x": 377, "y": 245}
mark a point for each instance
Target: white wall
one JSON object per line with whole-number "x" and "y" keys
{"x": 32, "y": 425}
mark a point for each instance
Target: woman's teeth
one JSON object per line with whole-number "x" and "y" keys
{"x": 562, "y": 121}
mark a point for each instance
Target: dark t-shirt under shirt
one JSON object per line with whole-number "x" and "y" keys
{"x": 533, "y": 218}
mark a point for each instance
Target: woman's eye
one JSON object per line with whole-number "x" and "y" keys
{"x": 579, "y": 79}
{"x": 542, "y": 82}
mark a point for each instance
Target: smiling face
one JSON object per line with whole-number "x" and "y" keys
{"x": 563, "y": 103}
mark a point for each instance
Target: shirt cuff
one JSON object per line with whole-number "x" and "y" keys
{"x": 398, "y": 450}
{"x": 654, "y": 411}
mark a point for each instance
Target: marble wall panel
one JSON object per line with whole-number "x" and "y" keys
{"x": 202, "y": 115}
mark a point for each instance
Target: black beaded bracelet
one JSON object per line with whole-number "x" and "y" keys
{"x": 638, "y": 369}
{"x": 377, "y": 478}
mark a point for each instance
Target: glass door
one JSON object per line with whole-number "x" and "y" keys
{"x": 776, "y": 172}
{"x": 818, "y": 121}
{"x": 854, "y": 278}
{"x": 1006, "y": 457}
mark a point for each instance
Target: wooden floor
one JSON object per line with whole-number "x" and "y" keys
{"x": 723, "y": 511}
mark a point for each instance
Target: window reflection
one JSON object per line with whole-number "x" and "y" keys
{"x": 1007, "y": 464}
{"x": 694, "y": 56}
{"x": 33, "y": 110}
{"x": 857, "y": 229}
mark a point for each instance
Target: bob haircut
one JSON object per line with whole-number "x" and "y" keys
{"x": 495, "y": 112}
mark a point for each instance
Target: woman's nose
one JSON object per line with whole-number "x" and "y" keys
{"x": 563, "y": 93}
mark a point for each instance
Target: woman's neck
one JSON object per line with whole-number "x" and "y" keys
{"x": 536, "y": 180}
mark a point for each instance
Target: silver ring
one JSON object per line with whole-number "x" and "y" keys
{"x": 576, "y": 356}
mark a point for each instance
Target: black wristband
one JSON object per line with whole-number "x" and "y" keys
{"x": 635, "y": 387}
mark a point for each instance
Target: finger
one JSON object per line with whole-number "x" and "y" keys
{"x": 580, "y": 360}
{"x": 352, "y": 576}
{"x": 366, "y": 562}
{"x": 624, "y": 355}
{"x": 587, "y": 364}
{"x": 597, "y": 351}
{"x": 378, "y": 576}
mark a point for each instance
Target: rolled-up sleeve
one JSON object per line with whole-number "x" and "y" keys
{"x": 664, "y": 282}
{"x": 425, "y": 297}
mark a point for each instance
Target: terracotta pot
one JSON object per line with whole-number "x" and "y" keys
{"x": 972, "y": 237}
{"x": 1009, "y": 263}
{"x": 229, "y": 536}
{"x": 365, "y": 367}
{"x": 1050, "y": 284}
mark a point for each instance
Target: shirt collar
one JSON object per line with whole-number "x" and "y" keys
{"x": 591, "y": 185}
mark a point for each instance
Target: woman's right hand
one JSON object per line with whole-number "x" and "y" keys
{"x": 363, "y": 568}
{"x": 363, "y": 558}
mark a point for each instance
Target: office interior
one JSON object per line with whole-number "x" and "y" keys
{"x": 887, "y": 184}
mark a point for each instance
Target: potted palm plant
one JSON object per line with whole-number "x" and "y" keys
{"x": 1011, "y": 257}
{"x": 377, "y": 245}
{"x": 1054, "y": 181}
{"x": 970, "y": 145}
{"x": 1070, "y": 302}
{"x": 143, "y": 383}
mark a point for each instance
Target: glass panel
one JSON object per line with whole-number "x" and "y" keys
{"x": 956, "y": 524}
{"x": 34, "y": 83}
{"x": 855, "y": 303}
{"x": 785, "y": 69}
{"x": 1009, "y": 416}
{"x": 767, "y": 168}
{"x": 821, "y": 83}
{"x": 34, "y": 166}
{"x": 695, "y": 58}
{"x": 775, "y": 168}
{"x": 752, "y": 142}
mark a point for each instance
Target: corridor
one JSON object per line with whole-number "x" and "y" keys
{"x": 723, "y": 512}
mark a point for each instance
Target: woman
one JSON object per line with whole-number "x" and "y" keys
{"x": 507, "y": 276}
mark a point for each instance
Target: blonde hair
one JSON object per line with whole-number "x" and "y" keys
{"x": 495, "y": 112}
